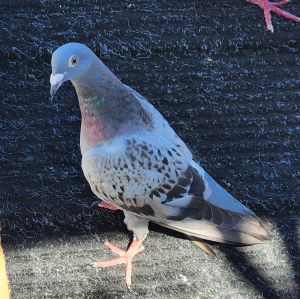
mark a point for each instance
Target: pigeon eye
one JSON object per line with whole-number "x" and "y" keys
{"x": 73, "y": 61}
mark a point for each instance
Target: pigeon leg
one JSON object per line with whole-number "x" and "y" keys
{"x": 125, "y": 257}
{"x": 268, "y": 6}
{"x": 105, "y": 205}
{"x": 204, "y": 247}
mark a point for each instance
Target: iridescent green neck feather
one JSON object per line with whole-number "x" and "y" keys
{"x": 107, "y": 107}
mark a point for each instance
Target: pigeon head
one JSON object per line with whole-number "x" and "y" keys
{"x": 69, "y": 62}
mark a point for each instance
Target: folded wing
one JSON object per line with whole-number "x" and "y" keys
{"x": 208, "y": 211}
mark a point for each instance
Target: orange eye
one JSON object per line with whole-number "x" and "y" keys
{"x": 73, "y": 61}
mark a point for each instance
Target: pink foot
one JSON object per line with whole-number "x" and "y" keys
{"x": 268, "y": 6}
{"x": 125, "y": 257}
{"x": 105, "y": 205}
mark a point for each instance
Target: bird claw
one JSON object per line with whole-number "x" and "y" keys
{"x": 124, "y": 257}
{"x": 269, "y": 7}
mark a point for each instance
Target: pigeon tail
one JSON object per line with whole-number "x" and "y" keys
{"x": 248, "y": 230}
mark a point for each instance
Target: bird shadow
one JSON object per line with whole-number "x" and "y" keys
{"x": 244, "y": 266}
{"x": 249, "y": 272}
{"x": 292, "y": 246}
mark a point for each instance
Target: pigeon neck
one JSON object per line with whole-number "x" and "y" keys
{"x": 107, "y": 108}
{"x": 95, "y": 82}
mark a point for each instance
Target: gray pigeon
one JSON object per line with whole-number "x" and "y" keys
{"x": 134, "y": 161}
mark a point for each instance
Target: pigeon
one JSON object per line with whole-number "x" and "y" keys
{"x": 135, "y": 162}
{"x": 268, "y": 6}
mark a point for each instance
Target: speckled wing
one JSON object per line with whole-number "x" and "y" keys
{"x": 195, "y": 204}
{"x": 129, "y": 170}
{"x": 198, "y": 206}
{"x": 150, "y": 177}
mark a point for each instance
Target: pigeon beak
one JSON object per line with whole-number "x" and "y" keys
{"x": 56, "y": 81}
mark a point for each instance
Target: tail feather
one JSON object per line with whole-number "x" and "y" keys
{"x": 249, "y": 231}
